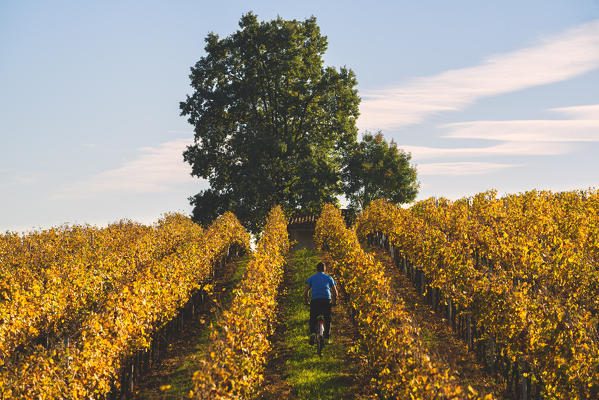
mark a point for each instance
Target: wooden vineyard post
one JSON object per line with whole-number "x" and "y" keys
{"x": 469, "y": 331}
{"x": 131, "y": 387}
{"x": 516, "y": 380}
{"x": 524, "y": 391}
{"x": 450, "y": 313}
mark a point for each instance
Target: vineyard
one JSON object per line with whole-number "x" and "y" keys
{"x": 87, "y": 312}
{"x": 73, "y": 317}
{"x": 517, "y": 276}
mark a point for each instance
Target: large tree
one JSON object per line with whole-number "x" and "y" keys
{"x": 377, "y": 169}
{"x": 273, "y": 125}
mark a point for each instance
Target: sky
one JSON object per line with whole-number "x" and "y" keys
{"x": 484, "y": 95}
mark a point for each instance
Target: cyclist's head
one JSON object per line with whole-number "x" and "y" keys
{"x": 320, "y": 267}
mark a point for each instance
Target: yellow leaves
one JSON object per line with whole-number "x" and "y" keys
{"x": 536, "y": 243}
{"x": 388, "y": 335}
{"x": 522, "y": 313}
{"x": 235, "y": 365}
{"x": 143, "y": 279}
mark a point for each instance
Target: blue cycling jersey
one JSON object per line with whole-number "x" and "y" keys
{"x": 321, "y": 285}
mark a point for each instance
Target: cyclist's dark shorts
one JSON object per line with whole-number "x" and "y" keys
{"x": 320, "y": 307}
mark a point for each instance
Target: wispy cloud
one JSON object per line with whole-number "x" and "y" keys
{"x": 589, "y": 112}
{"x": 462, "y": 168}
{"x": 527, "y": 130}
{"x": 555, "y": 59}
{"x": 519, "y": 137}
{"x": 156, "y": 169}
{"x": 502, "y": 149}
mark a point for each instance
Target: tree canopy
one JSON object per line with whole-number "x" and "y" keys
{"x": 376, "y": 169}
{"x": 272, "y": 123}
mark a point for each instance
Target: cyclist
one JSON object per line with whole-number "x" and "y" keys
{"x": 324, "y": 295}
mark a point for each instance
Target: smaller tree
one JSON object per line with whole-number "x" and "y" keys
{"x": 376, "y": 169}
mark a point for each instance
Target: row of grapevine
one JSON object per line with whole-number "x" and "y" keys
{"x": 523, "y": 269}
{"x": 90, "y": 364}
{"x": 53, "y": 278}
{"x": 395, "y": 356}
{"x": 235, "y": 360}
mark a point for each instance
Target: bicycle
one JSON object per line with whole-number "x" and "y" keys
{"x": 319, "y": 336}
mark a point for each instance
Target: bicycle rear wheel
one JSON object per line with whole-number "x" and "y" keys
{"x": 320, "y": 337}
{"x": 320, "y": 344}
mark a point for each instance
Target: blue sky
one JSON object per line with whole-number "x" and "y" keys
{"x": 484, "y": 95}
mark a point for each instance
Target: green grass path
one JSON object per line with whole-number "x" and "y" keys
{"x": 312, "y": 377}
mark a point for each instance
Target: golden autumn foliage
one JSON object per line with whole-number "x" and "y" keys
{"x": 53, "y": 278}
{"x": 525, "y": 266}
{"x": 393, "y": 352}
{"x": 179, "y": 260}
{"x": 235, "y": 360}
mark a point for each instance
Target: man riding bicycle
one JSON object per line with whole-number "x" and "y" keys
{"x": 324, "y": 295}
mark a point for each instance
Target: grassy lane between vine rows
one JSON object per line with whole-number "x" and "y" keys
{"x": 295, "y": 371}
{"x": 172, "y": 377}
{"x": 444, "y": 347}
